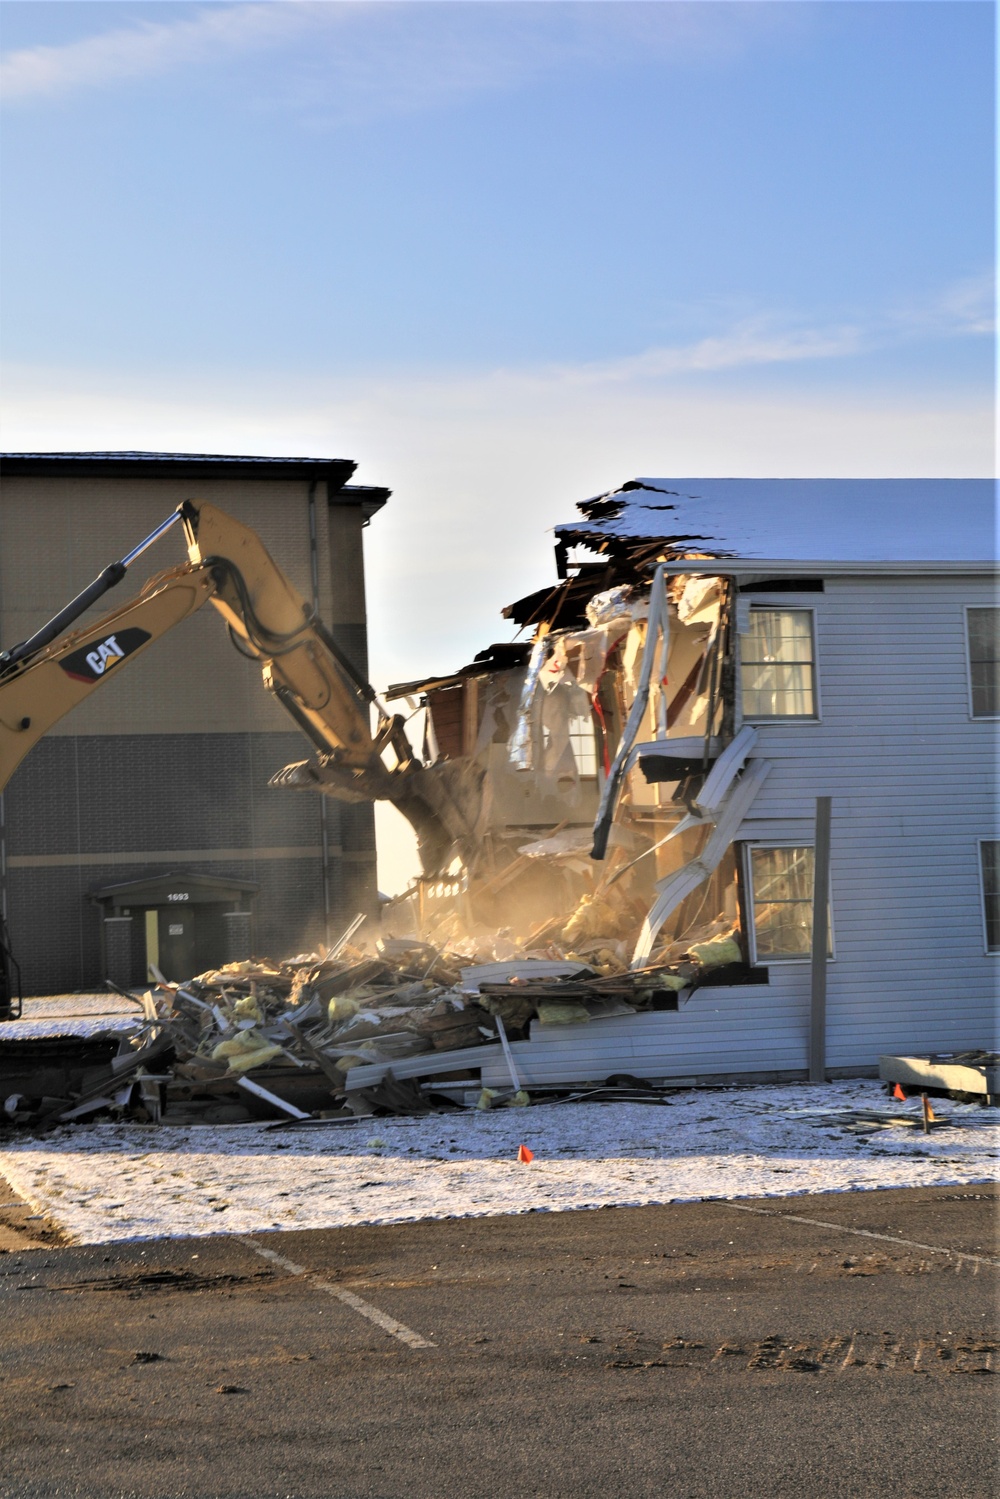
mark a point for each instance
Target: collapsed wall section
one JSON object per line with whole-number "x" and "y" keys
{"x": 598, "y": 741}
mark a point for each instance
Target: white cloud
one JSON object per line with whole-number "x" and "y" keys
{"x": 144, "y": 49}
{"x": 962, "y": 310}
{"x": 755, "y": 341}
{"x": 383, "y": 56}
{"x": 967, "y": 307}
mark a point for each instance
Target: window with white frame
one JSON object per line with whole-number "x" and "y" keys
{"x": 583, "y": 740}
{"x": 778, "y": 664}
{"x": 781, "y": 898}
{"x": 989, "y": 855}
{"x": 982, "y": 624}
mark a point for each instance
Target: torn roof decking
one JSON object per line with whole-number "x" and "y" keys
{"x": 503, "y": 656}
{"x": 564, "y": 604}
{"x": 649, "y": 520}
{"x": 845, "y": 520}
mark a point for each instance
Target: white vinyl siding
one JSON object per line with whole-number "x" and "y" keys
{"x": 913, "y": 785}
{"x": 778, "y": 664}
{"x": 983, "y": 635}
{"x": 914, "y": 790}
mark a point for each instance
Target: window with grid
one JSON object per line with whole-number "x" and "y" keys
{"x": 778, "y": 664}
{"x": 583, "y": 740}
{"x": 983, "y": 626}
{"x": 989, "y": 850}
{"x": 781, "y": 886}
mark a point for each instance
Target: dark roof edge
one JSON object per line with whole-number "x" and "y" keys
{"x": 371, "y": 497}
{"x": 135, "y": 465}
{"x": 191, "y": 877}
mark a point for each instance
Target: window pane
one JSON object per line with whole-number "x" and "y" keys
{"x": 777, "y": 691}
{"x": 778, "y": 669}
{"x": 583, "y": 739}
{"x": 984, "y": 661}
{"x": 991, "y": 892}
{"x": 785, "y": 931}
{"x": 783, "y": 873}
{"x": 782, "y": 886}
{"x": 779, "y": 635}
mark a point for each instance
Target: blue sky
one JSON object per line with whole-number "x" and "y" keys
{"x": 471, "y": 184}
{"x": 505, "y": 254}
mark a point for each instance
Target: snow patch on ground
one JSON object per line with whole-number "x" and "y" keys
{"x": 72, "y": 1015}
{"x": 109, "y": 1182}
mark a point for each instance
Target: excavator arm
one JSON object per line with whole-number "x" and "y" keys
{"x": 45, "y": 677}
{"x": 40, "y": 687}
{"x": 317, "y": 685}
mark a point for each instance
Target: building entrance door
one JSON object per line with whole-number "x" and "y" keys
{"x": 191, "y": 922}
{"x": 177, "y": 943}
{"x": 185, "y": 940}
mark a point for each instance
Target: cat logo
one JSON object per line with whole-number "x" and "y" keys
{"x": 108, "y": 651}
{"x": 91, "y": 662}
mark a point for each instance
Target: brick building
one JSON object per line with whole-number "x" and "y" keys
{"x": 142, "y": 827}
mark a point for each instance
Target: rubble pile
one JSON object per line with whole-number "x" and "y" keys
{"x": 259, "y": 1040}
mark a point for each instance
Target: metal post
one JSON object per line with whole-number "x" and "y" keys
{"x": 820, "y": 941}
{"x": 324, "y": 824}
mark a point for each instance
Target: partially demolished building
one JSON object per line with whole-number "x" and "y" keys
{"x": 726, "y": 811}
{"x": 635, "y": 784}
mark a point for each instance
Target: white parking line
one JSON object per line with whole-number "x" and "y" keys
{"x": 864, "y": 1233}
{"x": 356, "y": 1303}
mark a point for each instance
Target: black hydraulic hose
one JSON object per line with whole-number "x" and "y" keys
{"x": 107, "y": 579}
{"x": 247, "y": 655}
{"x": 273, "y": 643}
{"x": 365, "y": 688}
{"x": 59, "y": 622}
{"x": 291, "y": 705}
{"x": 257, "y": 631}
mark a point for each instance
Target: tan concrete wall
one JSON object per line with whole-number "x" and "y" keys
{"x": 346, "y": 573}
{"x": 56, "y": 534}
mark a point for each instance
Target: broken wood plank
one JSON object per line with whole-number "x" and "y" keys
{"x": 428, "y": 1064}
{"x": 248, "y": 1084}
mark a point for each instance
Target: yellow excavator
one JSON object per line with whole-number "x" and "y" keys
{"x": 46, "y": 676}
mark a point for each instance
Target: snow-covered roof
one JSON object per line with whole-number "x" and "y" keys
{"x": 846, "y": 520}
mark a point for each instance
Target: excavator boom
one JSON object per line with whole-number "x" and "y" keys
{"x": 42, "y": 687}
{"x": 302, "y": 665}
{"x": 46, "y": 676}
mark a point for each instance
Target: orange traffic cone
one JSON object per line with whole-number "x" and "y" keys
{"x": 898, "y": 1093}
{"x": 525, "y": 1155}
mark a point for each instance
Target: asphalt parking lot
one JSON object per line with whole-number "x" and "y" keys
{"x": 693, "y": 1349}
